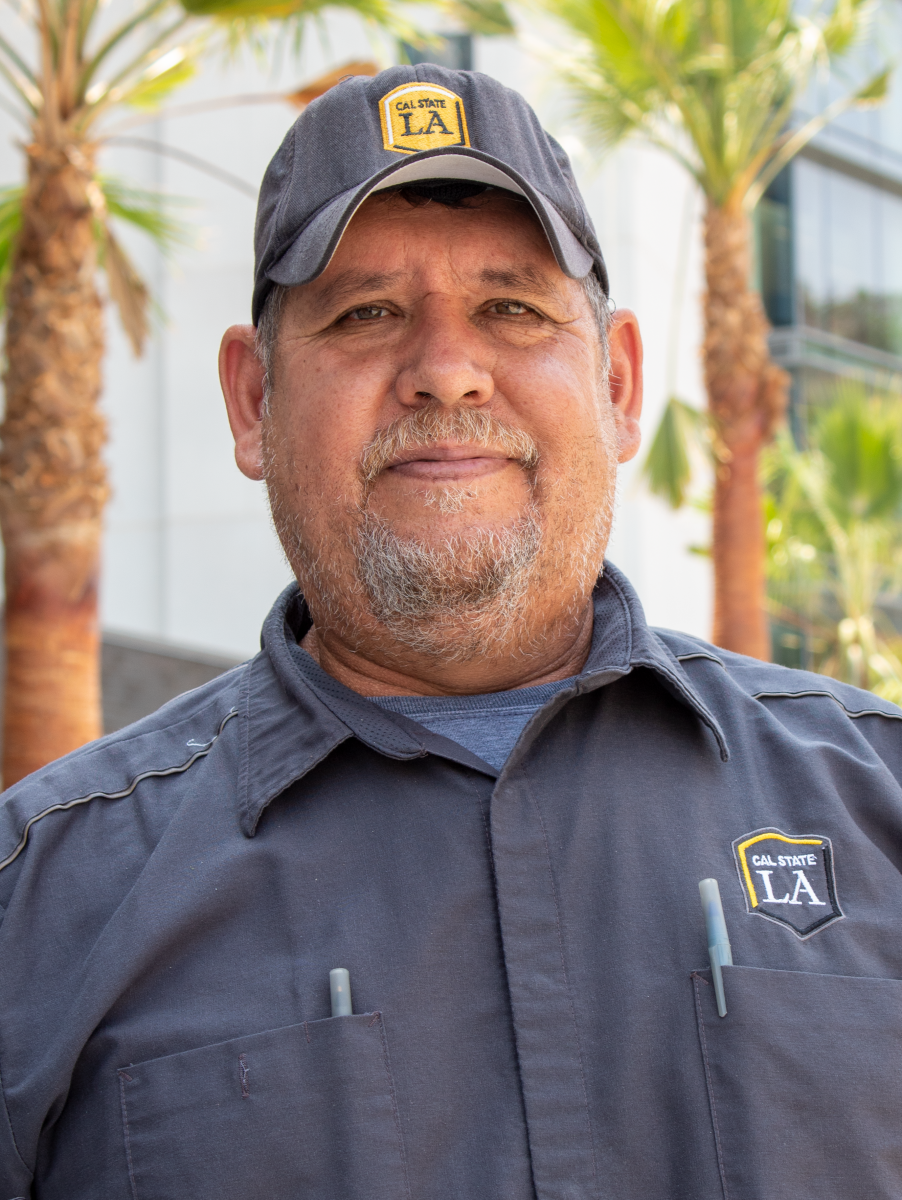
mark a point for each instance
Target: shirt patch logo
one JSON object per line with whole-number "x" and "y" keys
{"x": 788, "y": 879}
{"x": 422, "y": 116}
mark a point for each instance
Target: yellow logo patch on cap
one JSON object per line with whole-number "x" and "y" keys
{"x": 422, "y": 116}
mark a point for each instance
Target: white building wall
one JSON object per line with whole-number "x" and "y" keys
{"x": 190, "y": 556}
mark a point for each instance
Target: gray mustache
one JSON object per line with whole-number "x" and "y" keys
{"x": 434, "y": 424}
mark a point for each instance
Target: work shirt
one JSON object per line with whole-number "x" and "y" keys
{"x": 532, "y": 1014}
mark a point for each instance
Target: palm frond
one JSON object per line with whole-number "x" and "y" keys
{"x": 846, "y": 24}
{"x": 149, "y": 211}
{"x": 668, "y": 464}
{"x": 783, "y": 150}
{"x": 138, "y": 21}
{"x": 160, "y": 79}
{"x": 319, "y": 86}
{"x": 27, "y": 91}
{"x": 287, "y": 10}
{"x": 490, "y": 18}
{"x": 10, "y": 224}
{"x": 8, "y": 51}
{"x": 835, "y": 536}
{"x": 713, "y": 81}
{"x": 128, "y": 291}
{"x": 138, "y": 68}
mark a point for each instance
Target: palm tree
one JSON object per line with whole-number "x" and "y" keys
{"x": 835, "y": 538}
{"x": 56, "y": 232}
{"x": 714, "y": 83}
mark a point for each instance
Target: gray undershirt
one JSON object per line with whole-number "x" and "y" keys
{"x": 487, "y": 725}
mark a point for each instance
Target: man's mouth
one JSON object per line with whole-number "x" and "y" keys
{"x": 448, "y": 463}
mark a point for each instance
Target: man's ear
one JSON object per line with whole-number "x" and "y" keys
{"x": 625, "y": 345}
{"x": 241, "y": 377}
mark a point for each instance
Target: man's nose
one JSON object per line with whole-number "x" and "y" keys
{"x": 445, "y": 359}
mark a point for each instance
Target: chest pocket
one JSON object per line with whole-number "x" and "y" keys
{"x": 307, "y": 1110}
{"x": 805, "y": 1083}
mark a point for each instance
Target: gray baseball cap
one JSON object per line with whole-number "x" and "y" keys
{"x": 408, "y": 125}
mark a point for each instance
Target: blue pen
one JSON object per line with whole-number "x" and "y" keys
{"x": 718, "y": 941}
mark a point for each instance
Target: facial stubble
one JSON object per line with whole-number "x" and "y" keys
{"x": 459, "y": 597}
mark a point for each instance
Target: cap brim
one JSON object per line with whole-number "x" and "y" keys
{"x": 312, "y": 250}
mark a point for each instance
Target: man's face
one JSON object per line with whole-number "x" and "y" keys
{"x": 440, "y": 445}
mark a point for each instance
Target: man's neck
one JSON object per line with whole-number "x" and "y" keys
{"x": 415, "y": 676}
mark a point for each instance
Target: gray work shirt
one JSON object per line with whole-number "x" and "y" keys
{"x": 533, "y": 1017}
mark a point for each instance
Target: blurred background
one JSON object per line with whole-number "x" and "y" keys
{"x": 190, "y": 563}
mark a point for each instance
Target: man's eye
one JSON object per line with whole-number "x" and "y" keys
{"x": 510, "y": 308}
{"x": 369, "y": 312}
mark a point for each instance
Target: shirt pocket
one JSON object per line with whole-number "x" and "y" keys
{"x": 805, "y": 1083}
{"x": 307, "y": 1110}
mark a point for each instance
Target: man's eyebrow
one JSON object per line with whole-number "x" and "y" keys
{"x": 349, "y": 284}
{"x": 524, "y": 279}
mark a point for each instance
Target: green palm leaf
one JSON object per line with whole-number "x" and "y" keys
{"x": 668, "y": 464}
{"x": 10, "y": 224}
{"x": 149, "y": 211}
{"x": 835, "y": 536}
{"x": 713, "y": 82}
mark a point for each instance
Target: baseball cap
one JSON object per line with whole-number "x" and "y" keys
{"x": 406, "y": 125}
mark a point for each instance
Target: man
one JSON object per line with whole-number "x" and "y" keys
{"x": 462, "y": 768}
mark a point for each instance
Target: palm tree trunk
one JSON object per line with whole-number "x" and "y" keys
{"x": 52, "y": 478}
{"x": 747, "y": 396}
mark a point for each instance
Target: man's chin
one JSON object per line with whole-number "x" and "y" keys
{"x": 416, "y": 587}
{"x": 458, "y": 530}
{"x": 436, "y": 513}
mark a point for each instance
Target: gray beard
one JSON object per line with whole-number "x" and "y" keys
{"x": 459, "y": 598}
{"x": 449, "y": 600}
{"x": 455, "y": 601}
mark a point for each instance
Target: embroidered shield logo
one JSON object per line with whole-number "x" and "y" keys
{"x": 422, "y": 116}
{"x": 788, "y": 879}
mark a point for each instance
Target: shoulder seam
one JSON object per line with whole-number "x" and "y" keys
{"x": 852, "y": 712}
{"x": 157, "y": 773}
{"x": 131, "y": 733}
{"x": 700, "y": 654}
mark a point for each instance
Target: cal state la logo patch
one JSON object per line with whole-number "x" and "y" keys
{"x": 422, "y": 116}
{"x": 788, "y": 879}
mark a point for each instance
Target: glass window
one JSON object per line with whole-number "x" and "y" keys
{"x": 811, "y": 248}
{"x": 848, "y": 253}
{"x": 453, "y": 50}
{"x": 775, "y": 234}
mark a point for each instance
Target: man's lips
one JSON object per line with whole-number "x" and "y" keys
{"x": 434, "y": 464}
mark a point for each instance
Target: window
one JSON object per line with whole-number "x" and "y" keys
{"x": 848, "y": 257}
{"x": 453, "y": 50}
{"x": 775, "y": 240}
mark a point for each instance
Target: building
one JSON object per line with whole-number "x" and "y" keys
{"x": 831, "y": 250}
{"x": 830, "y": 261}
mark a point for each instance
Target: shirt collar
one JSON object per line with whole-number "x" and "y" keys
{"x": 626, "y": 642}
{"x": 296, "y": 714}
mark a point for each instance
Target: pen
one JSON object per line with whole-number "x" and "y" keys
{"x": 340, "y": 987}
{"x": 718, "y": 940}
